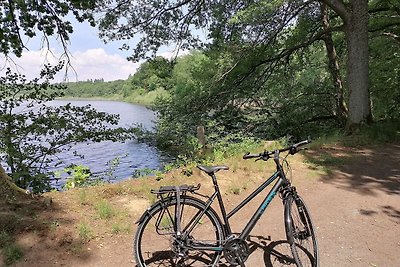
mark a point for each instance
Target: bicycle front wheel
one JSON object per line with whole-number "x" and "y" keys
{"x": 158, "y": 244}
{"x": 300, "y": 232}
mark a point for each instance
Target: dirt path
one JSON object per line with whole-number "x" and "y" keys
{"x": 355, "y": 207}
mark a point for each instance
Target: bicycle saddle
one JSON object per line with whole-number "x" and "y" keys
{"x": 212, "y": 169}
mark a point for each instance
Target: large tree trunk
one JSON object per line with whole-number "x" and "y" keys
{"x": 356, "y": 31}
{"x": 7, "y": 187}
{"x": 341, "y": 111}
{"x": 355, "y": 17}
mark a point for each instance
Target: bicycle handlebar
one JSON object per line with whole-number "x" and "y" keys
{"x": 293, "y": 149}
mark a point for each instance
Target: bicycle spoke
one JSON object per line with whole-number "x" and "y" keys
{"x": 304, "y": 245}
{"x": 155, "y": 245}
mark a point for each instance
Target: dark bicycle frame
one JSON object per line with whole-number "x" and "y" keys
{"x": 282, "y": 181}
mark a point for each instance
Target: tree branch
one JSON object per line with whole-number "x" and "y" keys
{"x": 383, "y": 27}
{"x": 339, "y": 7}
{"x": 288, "y": 51}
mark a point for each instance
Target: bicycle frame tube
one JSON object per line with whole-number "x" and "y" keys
{"x": 253, "y": 221}
{"x": 190, "y": 226}
{"x": 257, "y": 215}
{"x": 254, "y": 194}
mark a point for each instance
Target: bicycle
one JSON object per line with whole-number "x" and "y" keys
{"x": 183, "y": 230}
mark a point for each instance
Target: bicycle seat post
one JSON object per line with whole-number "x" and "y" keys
{"x": 221, "y": 203}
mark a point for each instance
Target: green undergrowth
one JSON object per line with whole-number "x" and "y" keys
{"x": 377, "y": 133}
{"x": 11, "y": 251}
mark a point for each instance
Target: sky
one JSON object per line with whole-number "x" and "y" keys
{"x": 91, "y": 58}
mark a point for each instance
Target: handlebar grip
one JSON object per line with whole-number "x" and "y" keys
{"x": 250, "y": 156}
{"x": 294, "y": 148}
{"x": 302, "y": 143}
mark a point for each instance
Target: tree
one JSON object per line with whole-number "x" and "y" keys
{"x": 253, "y": 27}
{"x": 181, "y": 111}
{"x": 29, "y": 138}
{"x": 32, "y": 132}
{"x": 28, "y": 18}
{"x": 152, "y": 74}
{"x": 355, "y": 20}
{"x": 48, "y": 18}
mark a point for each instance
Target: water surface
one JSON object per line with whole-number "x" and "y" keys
{"x": 132, "y": 155}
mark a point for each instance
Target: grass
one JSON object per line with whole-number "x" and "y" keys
{"x": 5, "y": 238}
{"x": 12, "y": 253}
{"x": 83, "y": 197}
{"x": 375, "y": 134}
{"x": 116, "y": 228}
{"x": 324, "y": 159}
{"x": 104, "y": 209}
{"x": 235, "y": 190}
{"x": 54, "y": 224}
{"x": 84, "y": 231}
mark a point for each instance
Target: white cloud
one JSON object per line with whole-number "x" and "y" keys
{"x": 173, "y": 53}
{"x": 90, "y": 64}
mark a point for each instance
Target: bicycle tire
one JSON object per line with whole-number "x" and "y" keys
{"x": 300, "y": 232}
{"x": 152, "y": 247}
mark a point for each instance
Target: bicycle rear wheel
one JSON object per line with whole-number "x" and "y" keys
{"x": 300, "y": 232}
{"x": 157, "y": 243}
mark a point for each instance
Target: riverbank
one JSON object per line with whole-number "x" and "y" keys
{"x": 351, "y": 192}
{"x": 92, "y": 92}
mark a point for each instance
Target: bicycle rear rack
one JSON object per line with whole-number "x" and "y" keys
{"x": 173, "y": 189}
{"x": 168, "y": 221}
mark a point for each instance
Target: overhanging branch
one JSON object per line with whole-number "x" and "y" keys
{"x": 288, "y": 51}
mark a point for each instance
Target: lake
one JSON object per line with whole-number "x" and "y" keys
{"x": 131, "y": 154}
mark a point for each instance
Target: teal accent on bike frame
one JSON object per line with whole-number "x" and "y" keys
{"x": 267, "y": 201}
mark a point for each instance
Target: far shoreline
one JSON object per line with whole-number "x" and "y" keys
{"x": 102, "y": 99}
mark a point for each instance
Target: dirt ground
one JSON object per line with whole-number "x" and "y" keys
{"x": 353, "y": 198}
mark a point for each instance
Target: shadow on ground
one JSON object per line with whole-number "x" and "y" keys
{"x": 365, "y": 171}
{"x": 30, "y": 230}
{"x": 275, "y": 253}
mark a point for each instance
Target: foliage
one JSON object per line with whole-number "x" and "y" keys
{"x": 385, "y": 78}
{"x": 45, "y": 17}
{"x": 33, "y": 131}
{"x": 97, "y": 88}
{"x": 79, "y": 176}
{"x": 258, "y": 39}
{"x": 152, "y": 79}
{"x": 152, "y": 74}
{"x": 112, "y": 165}
{"x": 268, "y": 111}
{"x": 142, "y": 172}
